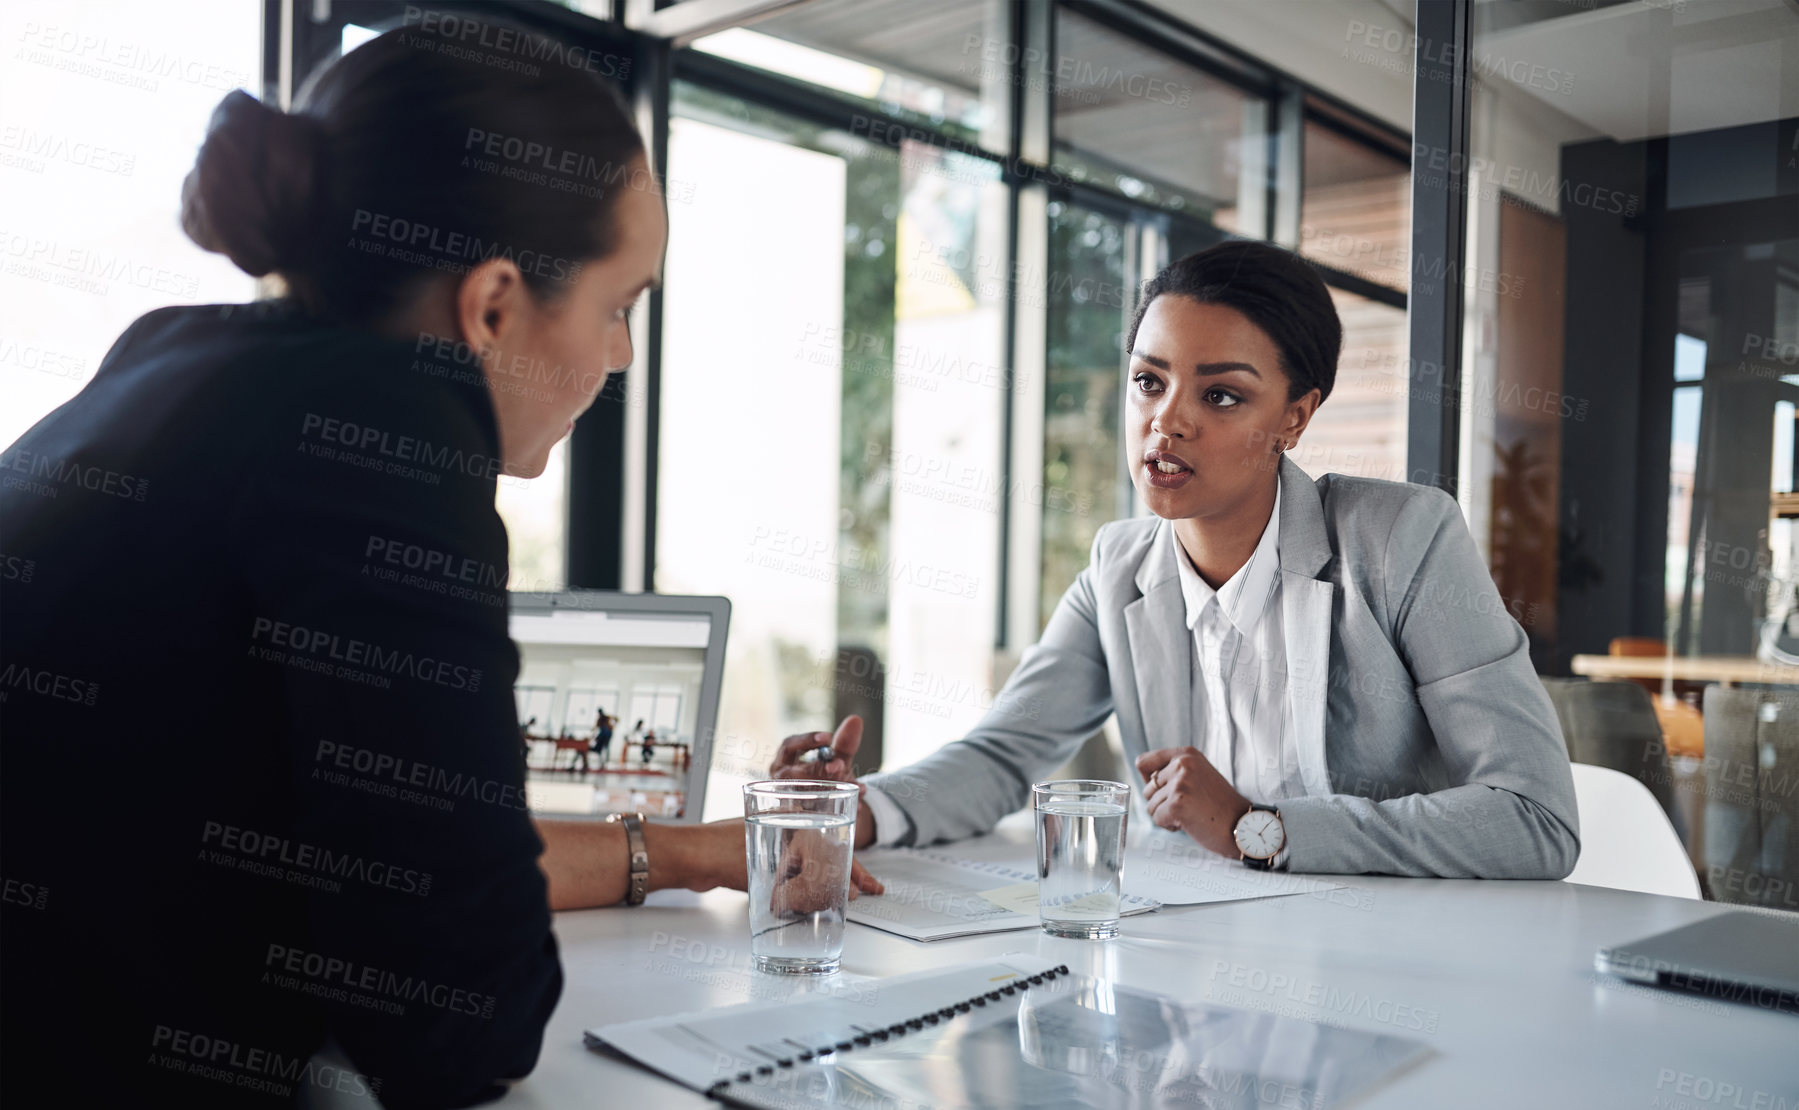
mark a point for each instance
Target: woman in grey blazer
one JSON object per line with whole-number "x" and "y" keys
{"x": 1316, "y": 675}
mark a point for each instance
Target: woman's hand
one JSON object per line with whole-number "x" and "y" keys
{"x": 790, "y": 762}
{"x": 811, "y": 874}
{"x": 1185, "y": 793}
{"x": 714, "y": 855}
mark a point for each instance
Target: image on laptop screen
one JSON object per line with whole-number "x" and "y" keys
{"x": 617, "y": 695}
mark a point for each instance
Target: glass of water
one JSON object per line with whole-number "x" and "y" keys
{"x": 1080, "y": 856}
{"x": 800, "y": 834}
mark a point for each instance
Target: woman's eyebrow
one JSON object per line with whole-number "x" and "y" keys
{"x": 1209, "y": 368}
{"x": 1206, "y": 368}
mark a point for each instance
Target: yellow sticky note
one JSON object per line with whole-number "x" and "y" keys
{"x": 1021, "y": 898}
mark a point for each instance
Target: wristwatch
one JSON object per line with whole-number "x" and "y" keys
{"x": 1260, "y": 836}
{"x": 640, "y": 858}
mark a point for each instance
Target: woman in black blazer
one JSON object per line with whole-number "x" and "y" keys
{"x": 253, "y": 537}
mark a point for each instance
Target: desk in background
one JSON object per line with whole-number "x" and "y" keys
{"x": 1682, "y": 725}
{"x": 1726, "y": 669}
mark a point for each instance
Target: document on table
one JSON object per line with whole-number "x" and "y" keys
{"x": 1174, "y": 870}
{"x": 934, "y": 894}
{"x": 703, "y": 1050}
{"x": 1069, "y": 1040}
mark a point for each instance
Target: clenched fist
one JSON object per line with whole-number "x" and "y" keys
{"x": 1185, "y": 793}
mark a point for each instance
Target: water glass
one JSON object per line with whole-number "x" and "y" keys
{"x": 799, "y": 834}
{"x": 1080, "y": 856}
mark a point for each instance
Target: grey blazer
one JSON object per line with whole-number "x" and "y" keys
{"x": 1426, "y": 743}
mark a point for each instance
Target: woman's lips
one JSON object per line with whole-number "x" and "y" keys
{"x": 1161, "y": 480}
{"x": 1153, "y": 463}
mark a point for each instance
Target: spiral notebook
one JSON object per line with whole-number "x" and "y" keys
{"x": 934, "y": 895}
{"x": 739, "y": 1043}
{"x": 1012, "y": 1032}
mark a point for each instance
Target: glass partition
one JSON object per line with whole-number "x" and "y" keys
{"x": 1629, "y": 388}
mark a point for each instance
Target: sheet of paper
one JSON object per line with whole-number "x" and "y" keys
{"x": 933, "y": 895}
{"x": 937, "y": 893}
{"x": 1176, "y": 871}
{"x": 1022, "y": 898}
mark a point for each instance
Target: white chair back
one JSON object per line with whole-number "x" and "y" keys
{"x": 1626, "y": 841}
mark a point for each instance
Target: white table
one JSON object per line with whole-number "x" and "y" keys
{"x": 1504, "y": 971}
{"x": 1500, "y": 974}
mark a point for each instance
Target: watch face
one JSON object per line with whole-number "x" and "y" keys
{"x": 1260, "y": 834}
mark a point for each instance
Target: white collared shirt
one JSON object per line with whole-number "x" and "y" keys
{"x": 1236, "y": 629}
{"x": 1240, "y": 713}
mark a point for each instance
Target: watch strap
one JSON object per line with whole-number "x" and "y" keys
{"x": 639, "y": 855}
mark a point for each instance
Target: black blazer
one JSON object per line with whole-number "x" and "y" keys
{"x": 260, "y": 776}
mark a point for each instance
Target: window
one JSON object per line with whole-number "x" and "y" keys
{"x": 584, "y": 706}
{"x": 942, "y": 64}
{"x": 536, "y": 706}
{"x": 658, "y": 707}
{"x": 97, "y": 141}
{"x": 536, "y": 514}
{"x": 1360, "y": 428}
{"x": 116, "y": 136}
{"x": 1136, "y": 121}
{"x": 1356, "y": 206}
{"x": 1084, "y": 480}
{"x": 832, "y": 405}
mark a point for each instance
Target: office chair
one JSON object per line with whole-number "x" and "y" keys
{"x": 1613, "y": 724}
{"x": 1626, "y": 841}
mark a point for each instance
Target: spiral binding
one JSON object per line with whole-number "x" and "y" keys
{"x": 898, "y": 1029}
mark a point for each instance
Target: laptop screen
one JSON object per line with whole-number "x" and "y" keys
{"x": 613, "y": 704}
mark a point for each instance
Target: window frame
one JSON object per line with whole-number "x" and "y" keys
{"x": 1291, "y": 101}
{"x": 610, "y": 518}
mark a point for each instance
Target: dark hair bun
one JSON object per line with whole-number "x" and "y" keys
{"x": 371, "y": 189}
{"x": 251, "y": 193}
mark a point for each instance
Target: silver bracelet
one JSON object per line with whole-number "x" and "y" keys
{"x": 640, "y": 857}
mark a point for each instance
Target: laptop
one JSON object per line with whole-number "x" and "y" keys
{"x": 1752, "y": 958}
{"x": 617, "y": 700}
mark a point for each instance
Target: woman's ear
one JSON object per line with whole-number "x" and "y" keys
{"x": 1299, "y": 415}
{"x": 490, "y": 305}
